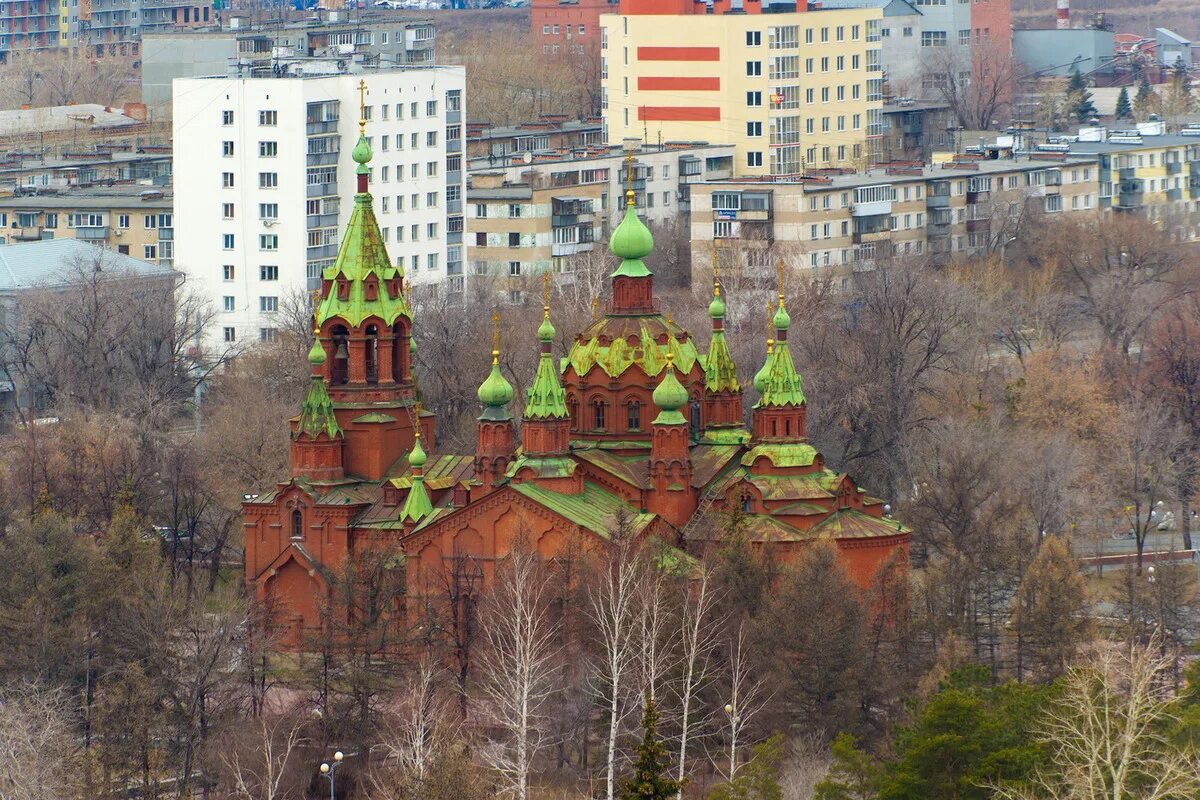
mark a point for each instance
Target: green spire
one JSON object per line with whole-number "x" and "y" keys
{"x": 417, "y": 505}
{"x": 760, "y": 377}
{"x": 546, "y": 397}
{"x": 780, "y": 381}
{"x": 720, "y": 373}
{"x": 362, "y": 255}
{"x": 316, "y": 412}
{"x": 632, "y": 240}
{"x": 670, "y": 396}
{"x": 495, "y": 392}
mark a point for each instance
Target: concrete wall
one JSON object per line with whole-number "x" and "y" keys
{"x": 165, "y": 58}
{"x": 1053, "y": 51}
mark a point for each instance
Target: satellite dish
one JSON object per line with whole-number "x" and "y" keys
{"x": 528, "y": 157}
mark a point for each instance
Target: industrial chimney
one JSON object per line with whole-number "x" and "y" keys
{"x": 1062, "y": 15}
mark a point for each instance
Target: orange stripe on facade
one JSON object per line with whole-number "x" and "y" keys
{"x": 679, "y": 54}
{"x": 679, "y": 114}
{"x": 697, "y": 84}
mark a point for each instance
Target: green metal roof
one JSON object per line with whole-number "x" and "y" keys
{"x": 781, "y": 384}
{"x": 316, "y": 411}
{"x": 619, "y": 355}
{"x": 594, "y": 508}
{"x": 362, "y": 254}
{"x": 545, "y": 397}
{"x": 782, "y": 455}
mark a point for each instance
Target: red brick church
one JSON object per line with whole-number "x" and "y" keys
{"x": 634, "y": 424}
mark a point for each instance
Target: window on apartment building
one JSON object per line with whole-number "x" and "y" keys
{"x": 808, "y": 66}
{"x": 855, "y": 91}
{"x": 809, "y": 125}
{"x": 753, "y": 68}
{"x": 149, "y": 252}
{"x": 824, "y": 34}
{"x": 514, "y": 240}
{"x": 908, "y": 31}
{"x": 545, "y": 30}
{"x": 514, "y": 268}
{"x": 227, "y": 241}
{"x": 841, "y": 93}
{"x": 824, "y": 94}
{"x": 227, "y": 149}
{"x": 431, "y": 199}
{"x": 555, "y": 30}
{"x": 754, "y": 129}
{"x": 431, "y": 108}
{"x": 809, "y": 95}
{"x": 753, "y": 38}
{"x": 268, "y": 304}
{"x": 227, "y": 272}
{"x": 149, "y": 222}
{"x": 268, "y": 119}
{"x": 268, "y": 180}
{"x": 754, "y": 158}
{"x": 933, "y": 38}
{"x": 268, "y": 272}
{"x": 854, "y": 33}
{"x": 384, "y": 173}
{"x": 431, "y": 138}
{"x": 840, "y": 33}
{"x": 226, "y": 211}
{"x": 431, "y": 169}
{"x": 414, "y": 232}
{"x": 228, "y": 303}
{"x": 431, "y": 230}
{"x": 964, "y": 37}
{"x": 269, "y": 334}
{"x": 226, "y": 118}
{"x": 227, "y": 180}
{"x": 825, "y": 64}
{"x": 268, "y": 241}
{"x": 481, "y": 210}
{"x": 754, "y": 99}
{"x": 268, "y": 149}
{"x": 841, "y": 122}
{"x": 431, "y": 261}
{"x": 229, "y": 334}
{"x": 414, "y": 201}
{"x": 123, "y": 219}
{"x": 514, "y": 210}
{"x": 268, "y": 211}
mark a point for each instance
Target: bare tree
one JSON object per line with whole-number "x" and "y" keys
{"x": 1107, "y": 736}
{"x": 258, "y": 772}
{"x": 518, "y": 668}
{"x": 976, "y": 82}
{"x": 656, "y": 632}
{"x": 415, "y": 731}
{"x": 698, "y": 635}
{"x": 613, "y": 612}
{"x": 747, "y": 696}
{"x": 38, "y": 758}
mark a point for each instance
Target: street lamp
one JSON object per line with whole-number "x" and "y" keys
{"x": 329, "y": 769}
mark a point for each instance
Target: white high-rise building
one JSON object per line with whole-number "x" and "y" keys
{"x": 264, "y": 182}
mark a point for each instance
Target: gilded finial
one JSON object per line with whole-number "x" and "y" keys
{"x": 316, "y": 300}
{"x": 595, "y": 308}
{"x": 781, "y": 283}
{"x": 362, "y": 107}
{"x": 495, "y": 337}
{"x": 630, "y": 197}
{"x": 670, "y": 359}
{"x": 716, "y": 271}
{"x": 417, "y": 413}
{"x": 670, "y": 319}
{"x": 770, "y": 331}
{"x": 546, "y": 294}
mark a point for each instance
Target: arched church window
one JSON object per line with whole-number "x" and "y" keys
{"x": 573, "y": 411}
{"x": 343, "y": 290}
{"x": 297, "y": 524}
{"x": 745, "y": 504}
{"x": 399, "y": 354}
{"x": 787, "y": 427}
{"x": 372, "y": 354}
{"x": 598, "y": 409}
{"x": 694, "y": 417}
{"x": 634, "y": 415}
{"x": 370, "y": 290}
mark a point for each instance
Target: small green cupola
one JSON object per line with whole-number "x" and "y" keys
{"x": 316, "y": 410}
{"x": 546, "y": 397}
{"x": 632, "y": 281}
{"x": 780, "y": 383}
{"x": 720, "y": 371}
{"x": 760, "y": 377}
{"x": 670, "y": 396}
{"x": 417, "y": 504}
{"x": 495, "y": 393}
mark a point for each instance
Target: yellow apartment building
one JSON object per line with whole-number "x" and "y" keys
{"x": 792, "y": 90}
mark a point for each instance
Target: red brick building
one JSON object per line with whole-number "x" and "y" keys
{"x": 635, "y": 424}
{"x": 569, "y": 26}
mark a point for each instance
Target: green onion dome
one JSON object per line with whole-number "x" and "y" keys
{"x": 495, "y": 391}
{"x": 760, "y": 378}
{"x": 545, "y": 331}
{"x": 781, "y": 321}
{"x": 316, "y": 355}
{"x": 631, "y": 240}
{"x": 362, "y": 151}
{"x": 417, "y": 457}
{"x": 716, "y": 309}
{"x": 670, "y": 395}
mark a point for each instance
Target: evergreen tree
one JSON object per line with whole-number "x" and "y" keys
{"x": 649, "y": 780}
{"x": 759, "y": 778}
{"x": 1079, "y": 99}
{"x": 853, "y": 774}
{"x": 1124, "y": 107}
{"x": 1146, "y": 101}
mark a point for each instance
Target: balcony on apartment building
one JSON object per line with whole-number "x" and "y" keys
{"x": 92, "y": 233}
{"x": 940, "y": 222}
{"x": 873, "y": 229}
{"x": 938, "y": 195}
{"x": 568, "y": 211}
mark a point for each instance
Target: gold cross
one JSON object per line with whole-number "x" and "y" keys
{"x": 629, "y": 194}
{"x": 781, "y": 282}
{"x": 417, "y": 428}
{"x": 595, "y": 308}
{"x": 546, "y": 293}
{"x": 362, "y": 105}
{"x": 495, "y": 338}
{"x": 716, "y": 271}
{"x": 316, "y": 301}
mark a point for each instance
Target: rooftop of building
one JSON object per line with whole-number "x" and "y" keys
{"x": 25, "y": 162}
{"x": 50, "y": 263}
{"x": 120, "y": 195}
{"x": 600, "y": 152}
{"x": 274, "y": 28}
{"x": 1134, "y": 141}
{"x": 901, "y": 105}
{"x": 317, "y": 67}
{"x": 483, "y": 130}
{"x": 64, "y": 118}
